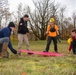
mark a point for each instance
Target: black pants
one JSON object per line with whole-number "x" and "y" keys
{"x": 49, "y": 42}
{"x": 74, "y": 46}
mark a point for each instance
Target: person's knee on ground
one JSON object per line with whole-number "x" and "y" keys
{"x": 5, "y": 43}
{"x": 4, "y": 47}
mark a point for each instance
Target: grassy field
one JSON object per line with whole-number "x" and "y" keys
{"x": 38, "y": 65}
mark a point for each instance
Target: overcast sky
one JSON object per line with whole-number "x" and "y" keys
{"x": 70, "y": 4}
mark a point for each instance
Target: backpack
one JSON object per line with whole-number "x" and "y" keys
{"x": 52, "y": 29}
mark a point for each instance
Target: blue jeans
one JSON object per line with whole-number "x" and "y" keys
{"x": 3, "y": 40}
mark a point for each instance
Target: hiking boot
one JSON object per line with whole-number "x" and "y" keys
{"x": 4, "y": 50}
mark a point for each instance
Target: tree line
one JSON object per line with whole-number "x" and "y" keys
{"x": 39, "y": 17}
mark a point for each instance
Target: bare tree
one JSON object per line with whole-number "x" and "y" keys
{"x": 4, "y": 10}
{"x": 74, "y": 19}
{"x": 19, "y": 11}
{"x": 67, "y": 24}
{"x": 44, "y": 10}
{"x": 61, "y": 17}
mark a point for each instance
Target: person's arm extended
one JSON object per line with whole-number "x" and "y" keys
{"x": 6, "y": 34}
{"x": 11, "y": 48}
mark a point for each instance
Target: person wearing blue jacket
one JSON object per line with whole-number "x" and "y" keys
{"x": 5, "y": 37}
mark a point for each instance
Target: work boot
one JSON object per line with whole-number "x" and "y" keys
{"x": 4, "y": 52}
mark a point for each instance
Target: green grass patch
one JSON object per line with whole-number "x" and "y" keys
{"x": 38, "y": 65}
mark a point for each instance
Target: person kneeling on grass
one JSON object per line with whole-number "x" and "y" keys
{"x": 5, "y": 40}
{"x": 73, "y": 42}
{"x": 52, "y": 30}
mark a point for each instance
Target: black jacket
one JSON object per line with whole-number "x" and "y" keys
{"x": 22, "y": 27}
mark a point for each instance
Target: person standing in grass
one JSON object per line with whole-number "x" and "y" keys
{"x": 22, "y": 32}
{"x": 5, "y": 39}
{"x": 52, "y": 31}
{"x": 73, "y": 42}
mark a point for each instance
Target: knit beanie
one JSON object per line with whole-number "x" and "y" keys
{"x": 11, "y": 24}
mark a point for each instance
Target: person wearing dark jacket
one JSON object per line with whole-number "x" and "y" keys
{"x": 73, "y": 42}
{"x": 5, "y": 37}
{"x": 22, "y": 31}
